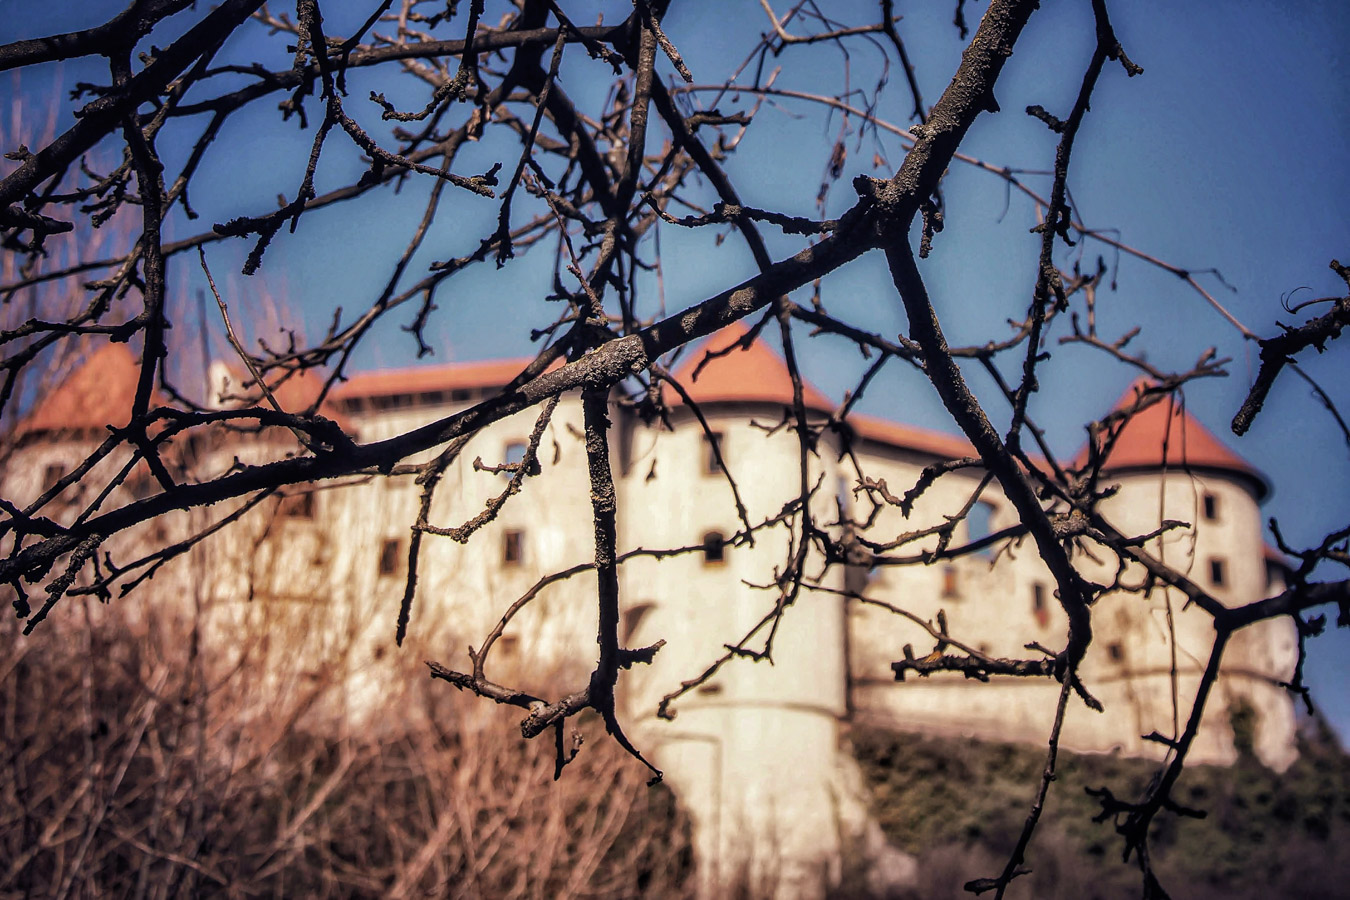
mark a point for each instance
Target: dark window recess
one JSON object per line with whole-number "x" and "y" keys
{"x": 508, "y": 645}
{"x": 632, "y": 620}
{"x": 710, "y": 466}
{"x": 1218, "y": 572}
{"x": 949, "y": 585}
{"x": 391, "y": 553}
{"x": 1211, "y": 506}
{"x": 51, "y": 475}
{"x": 714, "y": 548}
{"x": 140, "y": 483}
{"x": 513, "y": 548}
{"x": 1116, "y": 651}
{"x": 1040, "y": 605}
{"x": 297, "y": 506}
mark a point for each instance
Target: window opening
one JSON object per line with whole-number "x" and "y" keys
{"x": 949, "y": 585}
{"x": 513, "y": 548}
{"x": 717, "y": 439}
{"x": 714, "y": 548}
{"x": 52, "y": 474}
{"x": 632, "y": 620}
{"x": 513, "y": 455}
{"x": 1218, "y": 572}
{"x": 979, "y": 522}
{"x": 297, "y": 506}
{"x": 1040, "y": 605}
{"x": 1211, "y": 507}
{"x": 391, "y": 551}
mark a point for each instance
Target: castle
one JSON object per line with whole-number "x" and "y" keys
{"x": 757, "y": 752}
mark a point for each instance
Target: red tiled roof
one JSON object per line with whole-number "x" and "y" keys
{"x": 293, "y": 394}
{"x": 883, "y": 431}
{"x": 98, "y": 393}
{"x": 493, "y": 373}
{"x": 754, "y": 375}
{"x": 1165, "y": 435}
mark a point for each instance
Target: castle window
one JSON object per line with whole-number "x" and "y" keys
{"x": 711, "y": 440}
{"x": 297, "y": 506}
{"x": 632, "y": 620}
{"x": 979, "y": 522}
{"x": 51, "y": 474}
{"x": 391, "y": 552}
{"x": 513, "y": 548}
{"x": 1210, "y": 502}
{"x": 949, "y": 585}
{"x": 508, "y": 645}
{"x": 1040, "y": 605}
{"x": 714, "y": 548}
{"x": 1218, "y": 572}
{"x": 1116, "y": 651}
{"x": 513, "y": 455}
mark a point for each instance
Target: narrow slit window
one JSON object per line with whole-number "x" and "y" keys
{"x": 391, "y": 552}
{"x": 513, "y": 548}
{"x": 1116, "y": 651}
{"x": 712, "y": 443}
{"x": 1040, "y": 604}
{"x": 714, "y": 548}
{"x": 1218, "y": 572}
{"x": 950, "y": 587}
{"x": 1210, "y": 503}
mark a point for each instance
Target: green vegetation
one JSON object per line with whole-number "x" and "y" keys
{"x": 959, "y": 806}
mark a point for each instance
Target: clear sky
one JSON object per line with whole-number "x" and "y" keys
{"x": 1230, "y": 152}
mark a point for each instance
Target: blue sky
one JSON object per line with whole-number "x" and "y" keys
{"x": 1230, "y": 152}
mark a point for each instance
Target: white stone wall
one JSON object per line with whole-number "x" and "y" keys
{"x": 754, "y": 753}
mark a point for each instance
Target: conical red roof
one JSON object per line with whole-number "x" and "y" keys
{"x": 1165, "y": 435}
{"x": 753, "y": 375}
{"x": 98, "y": 393}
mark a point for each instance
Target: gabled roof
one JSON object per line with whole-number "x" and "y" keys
{"x": 1165, "y": 435}
{"x": 759, "y": 375}
{"x": 98, "y": 393}
{"x": 485, "y": 375}
{"x": 753, "y": 375}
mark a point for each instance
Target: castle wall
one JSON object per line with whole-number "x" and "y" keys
{"x": 308, "y": 587}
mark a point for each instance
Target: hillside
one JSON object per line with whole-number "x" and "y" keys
{"x": 959, "y": 805}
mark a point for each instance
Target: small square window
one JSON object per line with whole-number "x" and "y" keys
{"x": 714, "y": 548}
{"x": 513, "y": 548}
{"x": 712, "y": 442}
{"x": 1218, "y": 572}
{"x": 297, "y": 506}
{"x": 1116, "y": 651}
{"x": 1211, "y": 507}
{"x": 391, "y": 555}
{"x": 513, "y": 455}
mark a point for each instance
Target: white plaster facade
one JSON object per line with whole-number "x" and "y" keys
{"x": 758, "y": 754}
